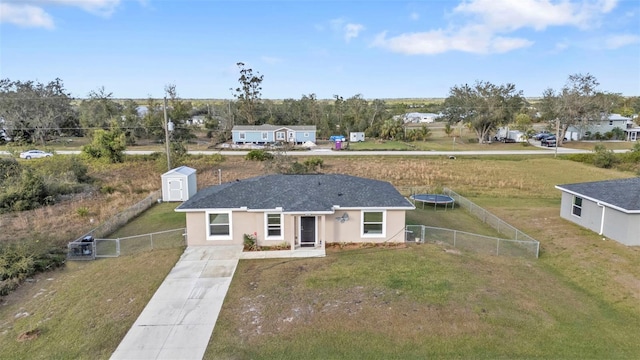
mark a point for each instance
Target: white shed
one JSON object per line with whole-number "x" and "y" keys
{"x": 356, "y": 136}
{"x": 179, "y": 184}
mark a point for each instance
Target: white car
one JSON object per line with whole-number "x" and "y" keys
{"x": 34, "y": 154}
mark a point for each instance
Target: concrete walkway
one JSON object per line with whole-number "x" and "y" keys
{"x": 179, "y": 319}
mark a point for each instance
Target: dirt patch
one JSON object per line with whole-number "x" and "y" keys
{"x": 29, "y": 335}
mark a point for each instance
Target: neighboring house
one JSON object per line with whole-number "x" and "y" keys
{"x": 632, "y": 134}
{"x": 304, "y": 211}
{"x": 576, "y": 132}
{"x": 271, "y": 134}
{"x": 611, "y": 208}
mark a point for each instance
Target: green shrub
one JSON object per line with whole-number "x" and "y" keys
{"x": 313, "y": 163}
{"x": 583, "y": 158}
{"x": 603, "y": 158}
{"x": 258, "y": 155}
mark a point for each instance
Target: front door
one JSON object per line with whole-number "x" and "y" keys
{"x": 307, "y": 231}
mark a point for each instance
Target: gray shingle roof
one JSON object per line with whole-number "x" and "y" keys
{"x": 299, "y": 193}
{"x": 622, "y": 193}
{"x": 265, "y": 127}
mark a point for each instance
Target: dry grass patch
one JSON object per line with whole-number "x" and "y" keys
{"x": 82, "y": 311}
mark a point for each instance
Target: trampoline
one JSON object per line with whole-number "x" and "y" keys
{"x": 434, "y": 199}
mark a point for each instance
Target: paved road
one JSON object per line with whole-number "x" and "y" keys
{"x": 536, "y": 150}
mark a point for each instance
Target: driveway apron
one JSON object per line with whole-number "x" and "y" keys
{"x": 179, "y": 319}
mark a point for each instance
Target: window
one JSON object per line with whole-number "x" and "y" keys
{"x": 280, "y": 135}
{"x": 577, "y": 206}
{"x": 610, "y": 122}
{"x": 265, "y": 135}
{"x": 274, "y": 226}
{"x": 306, "y": 134}
{"x": 219, "y": 226}
{"x": 242, "y": 136}
{"x": 373, "y": 223}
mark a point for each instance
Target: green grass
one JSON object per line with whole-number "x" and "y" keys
{"x": 84, "y": 310}
{"x": 414, "y": 303}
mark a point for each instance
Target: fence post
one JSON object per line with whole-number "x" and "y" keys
{"x": 498, "y": 247}
{"x": 151, "y": 237}
{"x": 455, "y": 234}
{"x": 118, "y": 246}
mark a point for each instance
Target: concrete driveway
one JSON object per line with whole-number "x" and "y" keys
{"x": 179, "y": 319}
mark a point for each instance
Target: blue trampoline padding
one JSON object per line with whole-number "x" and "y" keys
{"x": 433, "y": 198}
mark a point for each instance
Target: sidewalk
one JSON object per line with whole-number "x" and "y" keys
{"x": 179, "y": 319}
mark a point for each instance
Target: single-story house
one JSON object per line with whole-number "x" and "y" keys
{"x": 270, "y": 134}
{"x": 611, "y": 208}
{"x": 300, "y": 210}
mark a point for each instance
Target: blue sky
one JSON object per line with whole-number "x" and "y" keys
{"x": 376, "y": 48}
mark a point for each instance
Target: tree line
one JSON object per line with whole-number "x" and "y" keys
{"x": 33, "y": 112}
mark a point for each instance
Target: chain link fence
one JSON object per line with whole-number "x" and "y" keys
{"x": 89, "y": 248}
{"x": 472, "y": 242}
{"x": 488, "y": 218}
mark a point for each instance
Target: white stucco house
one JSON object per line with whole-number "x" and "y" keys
{"x": 303, "y": 211}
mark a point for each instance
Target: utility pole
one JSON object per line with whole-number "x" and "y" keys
{"x": 557, "y": 137}
{"x": 166, "y": 134}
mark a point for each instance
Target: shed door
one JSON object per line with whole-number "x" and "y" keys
{"x": 175, "y": 189}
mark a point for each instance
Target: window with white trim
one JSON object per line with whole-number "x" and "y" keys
{"x": 273, "y": 224}
{"x": 373, "y": 223}
{"x": 576, "y": 209}
{"x": 242, "y": 136}
{"x": 219, "y": 226}
{"x": 306, "y": 134}
{"x": 265, "y": 135}
{"x": 280, "y": 135}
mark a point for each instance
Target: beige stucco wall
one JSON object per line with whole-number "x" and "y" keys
{"x": 328, "y": 229}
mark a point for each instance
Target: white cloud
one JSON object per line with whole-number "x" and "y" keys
{"x": 414, "y": 16}
{"x": 352, "y": 31}
{"x": 618, "y": 41}
{"x": 471, "y": 39}
{"x": 32, "y": 13}
{"x": 347, "y": 30}
{"x": 536, "y": 14}
{"x": 25, "y": 16}
{"x": 98, "y": 7}
{"x": 485, "y": 25}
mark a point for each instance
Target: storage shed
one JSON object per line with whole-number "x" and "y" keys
{"x": 179, "y": 184}
{"x": 356, "y": 136}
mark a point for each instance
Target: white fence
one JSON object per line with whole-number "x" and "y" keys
{"x": 472, "y": 242}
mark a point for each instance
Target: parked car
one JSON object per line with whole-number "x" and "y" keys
{"x": 548, "y": 141}
{"x": 34, "y": 154}
{"x": 541, "y": 135}
{"x": 337, "y": 138}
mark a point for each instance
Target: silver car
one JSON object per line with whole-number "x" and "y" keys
{"x": 34, "y": 154}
